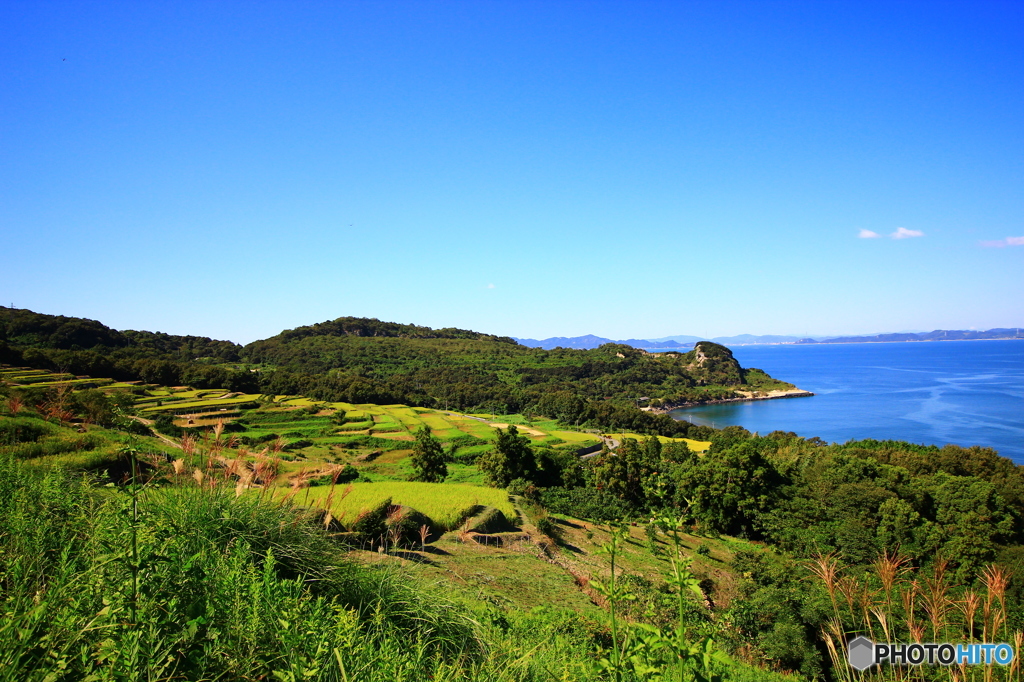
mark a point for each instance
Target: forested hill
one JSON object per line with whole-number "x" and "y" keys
{"x": 373, "y": 361}
{"x": 82, "y": 346}
{"x": 361, "y": 360}
{"x": 363, "y": 326}
{"x": 27, "y": 329}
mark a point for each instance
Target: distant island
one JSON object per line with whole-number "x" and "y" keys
{"x": 937, "y": 335}
{"x": 590, "y": 341}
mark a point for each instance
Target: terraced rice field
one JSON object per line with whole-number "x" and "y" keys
{"x": 368, "y": 427}
{"x": 446, "y": 504}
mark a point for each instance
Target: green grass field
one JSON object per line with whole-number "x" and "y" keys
{"x": 446, "y": 504}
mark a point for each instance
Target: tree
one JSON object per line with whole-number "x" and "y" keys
{"x": 630, "y": 473}
{"x": 428, "y": 458}
{"x": 732, "y": 489}
{"x": 510, "y": 459}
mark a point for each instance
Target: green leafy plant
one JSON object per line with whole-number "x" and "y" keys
{"x": 645, "y": 651}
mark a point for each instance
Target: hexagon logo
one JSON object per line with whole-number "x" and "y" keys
{"x": 861, "y": 653}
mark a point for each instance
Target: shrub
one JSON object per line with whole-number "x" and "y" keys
{"x": 23, "y": 430}
{"x": 403, "y": 524}
{"x": 370, "y": 524}
{"x": 586, "y": 503}
{"x": 547, "y": 526}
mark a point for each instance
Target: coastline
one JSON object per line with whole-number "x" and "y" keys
{"x": 749, "y": 397}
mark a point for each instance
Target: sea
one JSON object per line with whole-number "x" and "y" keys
{"x": 939, "y": 392}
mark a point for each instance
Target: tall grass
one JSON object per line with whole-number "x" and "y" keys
{"x": 195, "y": 582}
{"x": 191, "y": 582}
{"x": 891, "y": 603}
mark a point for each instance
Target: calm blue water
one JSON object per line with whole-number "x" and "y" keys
{"x": 962, "y": 392}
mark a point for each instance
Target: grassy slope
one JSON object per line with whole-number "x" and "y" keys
{"x": 219, "y": 596}
{"x": 527, "y": 572}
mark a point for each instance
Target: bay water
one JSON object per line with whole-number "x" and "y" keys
{"x": 961, "y": 392}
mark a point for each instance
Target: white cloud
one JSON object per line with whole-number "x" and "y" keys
{"x": 1000, "y": 243}
{"x": 490, "y": 286}
{"x": 904, "y": 233}
{"x": 868, "y": 234}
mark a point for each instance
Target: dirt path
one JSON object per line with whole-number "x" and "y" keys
{"x": 149, "y": 422}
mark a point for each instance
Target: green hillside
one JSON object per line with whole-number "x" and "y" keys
{"x": 167, "y": 531}
{"x": 358, "y": 360}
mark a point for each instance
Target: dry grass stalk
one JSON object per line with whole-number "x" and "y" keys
{"x": 909, "y": 599}
{"x": 936, "y": 599}
{"x": 179, "y": 467}
{"x": 394, "y": 523}
{"x": 329, "y": 499}
{"x": 996, "y": 581}
{"x": 867, "y": 605}
{"x": 465, "y": 536}
{"x": 839, "y": 663}
{"x": 265, "y": 471}
{"x": 1018, "y": 646}
{"x": 826, "y": 567}
{"x": 883, "y": 619}
{"x": 968, "y": 606}
{"x": 293, "y": 489}
{"x": 395, "y": 535}
{"x": 198, "y": 476}
{"x": 424, "y": 534}
{"x": 235, "y": 468}
{"x": 188, "y": 445}
{"x": 849, "y": 588}
{"x": 890, "y": 568}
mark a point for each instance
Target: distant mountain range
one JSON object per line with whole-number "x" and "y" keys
{"x": 667, "y": 343}
{"x": 937, "y": 335}
{"x": 682, "y": 342}
{"x": 590, "y": 341}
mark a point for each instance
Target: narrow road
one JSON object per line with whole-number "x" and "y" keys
{"x": 612, "y": 444}
{"x": 149, "y": 422}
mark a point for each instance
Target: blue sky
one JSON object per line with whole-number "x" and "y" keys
{"x": 534, "y": 169}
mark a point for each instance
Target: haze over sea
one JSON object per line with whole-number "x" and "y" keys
{"x": 961, "y": 392}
